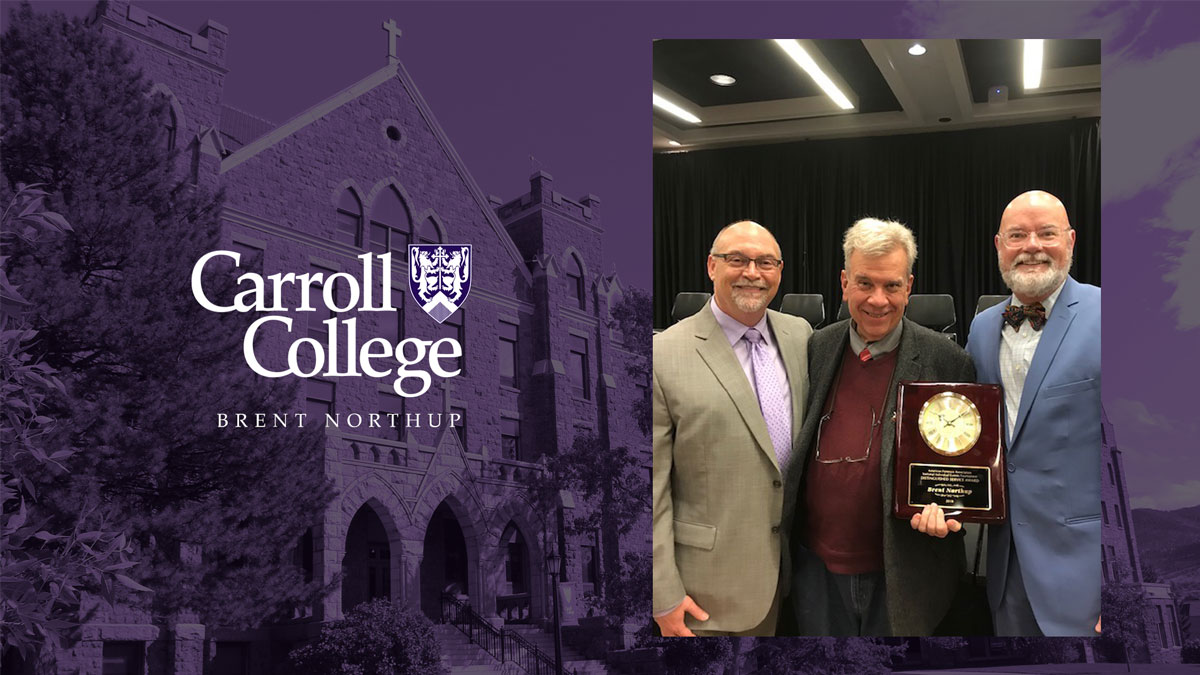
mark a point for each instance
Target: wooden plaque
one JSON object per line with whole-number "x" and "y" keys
{"x": 950, "y": 450}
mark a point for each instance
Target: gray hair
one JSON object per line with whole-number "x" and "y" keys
{"x": 876, "y": 237}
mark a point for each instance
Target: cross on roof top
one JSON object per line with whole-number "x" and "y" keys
{"x": 393, "y": 32}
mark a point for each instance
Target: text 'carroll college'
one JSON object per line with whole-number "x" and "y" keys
{"x": 407, "y": 353}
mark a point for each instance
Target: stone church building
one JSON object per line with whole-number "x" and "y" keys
{"x": 431, "y": 508}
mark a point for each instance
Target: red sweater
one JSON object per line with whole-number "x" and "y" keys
{"x": 844, "y": 501}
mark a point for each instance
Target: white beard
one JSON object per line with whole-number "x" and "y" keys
{"x": 1035, "y": 284}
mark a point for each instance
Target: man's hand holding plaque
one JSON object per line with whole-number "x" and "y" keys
{"x": 949, "y": 456}
{"x": 932, "y": 521}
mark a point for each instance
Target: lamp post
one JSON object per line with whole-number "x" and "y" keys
{"x": 553, "y": 561}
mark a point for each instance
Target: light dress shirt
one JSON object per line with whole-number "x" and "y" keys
{"x": 1017, "y": 348}
{"x": 734, "y": 330}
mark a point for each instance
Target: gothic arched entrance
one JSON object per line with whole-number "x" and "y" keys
{"x": 444, "y": 561}
{"x": 367, "y": 567}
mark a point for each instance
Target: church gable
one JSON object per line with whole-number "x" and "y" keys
{"x": 380, "y": 137}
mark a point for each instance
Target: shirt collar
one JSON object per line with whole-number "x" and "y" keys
{"x": 879, "y": 347}
{"x": 734, "y": 329}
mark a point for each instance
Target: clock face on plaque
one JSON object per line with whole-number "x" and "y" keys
{"x": 950, "y": 423}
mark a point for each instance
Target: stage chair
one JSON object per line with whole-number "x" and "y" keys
{"x": 934, "y": 311}
{"x": 687, "y": 304}
{"x": 809, "y": 306}
{"x": 986, "y": 301}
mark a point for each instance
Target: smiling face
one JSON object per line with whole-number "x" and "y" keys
{"x": 744, "y": 293}
{"x": 1033, "y": 270}
{"x": 876, "y": 290}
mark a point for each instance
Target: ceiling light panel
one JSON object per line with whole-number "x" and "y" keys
{"x": 669, "y": 107}
{"x": 802, "y": 58}
{"x": 1032, "y": 66}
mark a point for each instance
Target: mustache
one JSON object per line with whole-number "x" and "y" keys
{"x": 761, "y": 287}
{"x": 1031, "y": 258}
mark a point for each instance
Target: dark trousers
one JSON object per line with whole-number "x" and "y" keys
{"x": 840, "y": 605}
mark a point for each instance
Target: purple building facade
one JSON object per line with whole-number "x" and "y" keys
{"x": 443, "y": 505}
{"x": 1122, "y": 562}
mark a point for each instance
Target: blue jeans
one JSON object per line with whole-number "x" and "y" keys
{"x": 839, "y": 605}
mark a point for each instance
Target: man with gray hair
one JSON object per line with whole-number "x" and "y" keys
{"x": 730, "y": 385}
{"x": 858, "y": 570}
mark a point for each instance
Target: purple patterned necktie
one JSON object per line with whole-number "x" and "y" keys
{"x": 770, "y": 398}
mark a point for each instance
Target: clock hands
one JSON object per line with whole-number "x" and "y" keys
{"x": 955, "y": 419}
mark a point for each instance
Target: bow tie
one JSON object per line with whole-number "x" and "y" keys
{"x": 1015, "y": 314}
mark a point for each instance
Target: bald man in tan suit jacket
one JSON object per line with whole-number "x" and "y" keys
{"x": 720, "y": 517}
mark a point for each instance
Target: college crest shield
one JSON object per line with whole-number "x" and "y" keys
{"x": 439, "y": 277}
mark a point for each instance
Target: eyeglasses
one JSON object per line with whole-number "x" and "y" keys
{"x": 737, "y": 261}
{"x": 875, "y": 422}
{"x": 1046, "y": 237}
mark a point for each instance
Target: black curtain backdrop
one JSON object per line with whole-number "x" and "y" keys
{"x": 949, "y": 188}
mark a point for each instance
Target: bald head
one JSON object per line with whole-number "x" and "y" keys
{"x": 1045, "y": 204}
{"x": 742, "y": 229}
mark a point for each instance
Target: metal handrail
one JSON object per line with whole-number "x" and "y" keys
{"x": 504, "y": 645}
{"x": 478, "y": 631}
{"x": 529, "y": 657}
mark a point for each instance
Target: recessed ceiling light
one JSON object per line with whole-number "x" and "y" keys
{"x": 802, "y": 59}
{"x": 674, "y": 143}
{"x": 665, "y": 105}
{"x": 916, "y": 49}
{"x": 722, "y": 80}
{"x": 1033, "y": 63}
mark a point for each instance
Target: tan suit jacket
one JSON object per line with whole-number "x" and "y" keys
{"x": 720, "y": 518}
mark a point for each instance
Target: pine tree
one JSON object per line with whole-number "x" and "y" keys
{"x": 212, "y": 512}
{"x": 45, "y": 563}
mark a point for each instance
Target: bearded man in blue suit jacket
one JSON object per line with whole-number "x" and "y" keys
{"x": 1043, "y": 565}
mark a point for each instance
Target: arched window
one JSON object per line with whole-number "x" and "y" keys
{"x": 349, "y": 218}
{"x": 516, "y": 560}
{"x": 575, "y": 284}
{"x": 391, "y": 226}
{"x": 302, "y": 555}
{"x": 427, "y": 232}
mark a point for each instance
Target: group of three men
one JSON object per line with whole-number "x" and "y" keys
{"x": 773, "y": 445}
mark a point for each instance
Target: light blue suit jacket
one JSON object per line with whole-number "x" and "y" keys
{"x": 1053, "y": 462}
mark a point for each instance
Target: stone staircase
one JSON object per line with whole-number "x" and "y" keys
{"x": 572, "y": 660}
{"x": 459, "y": 656}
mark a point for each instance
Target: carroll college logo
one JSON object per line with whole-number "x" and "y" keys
{"x": 440, "y": 277}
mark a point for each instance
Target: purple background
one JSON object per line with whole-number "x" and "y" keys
{"x": 569, "y": 85}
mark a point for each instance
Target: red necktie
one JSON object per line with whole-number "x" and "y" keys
{"x": 865, "y": 354}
